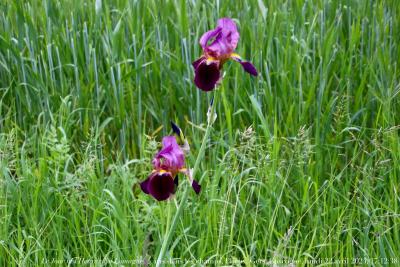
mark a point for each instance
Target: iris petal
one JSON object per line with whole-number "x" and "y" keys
{"x": 197, "y": 62}
{"x": 171, "y": 157}
{"x": 144, "y": 185}
{"x": 208, "y": 36}
{"x": 226, "y": 41}
{"x": 196, "y": 187}
{"x": 207, "y": 76}
{"x": 161, "y": 185}
{"x": 176, "y": 183}
{"x": 169, "y": 141}
{"x": 249, "y": 68}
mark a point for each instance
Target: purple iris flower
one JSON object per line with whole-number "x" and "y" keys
{"x": 168, "y": 163}
{"x": 218, "y": 46}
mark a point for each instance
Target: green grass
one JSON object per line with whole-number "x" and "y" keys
{"x": 302, "y": 164}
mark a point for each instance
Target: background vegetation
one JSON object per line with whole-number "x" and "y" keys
{"x": 302, "y": 164}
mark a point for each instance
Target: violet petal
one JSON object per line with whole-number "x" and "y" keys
{"x": 208, "y": 36}
{"x": 226, "y": 41}
{"x": 249, "y": 68}
{"x": 171, "y": 157}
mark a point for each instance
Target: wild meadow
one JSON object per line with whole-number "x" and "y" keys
{"x": 301, "y": 165}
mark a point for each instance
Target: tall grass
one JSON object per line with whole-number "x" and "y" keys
{"x": 303, "y": 162}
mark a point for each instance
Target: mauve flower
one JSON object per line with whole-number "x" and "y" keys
{"x": 218, "y": 46}
{"x": 168, "y": 163}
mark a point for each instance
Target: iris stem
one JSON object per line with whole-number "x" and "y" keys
{"x": 200, "y": 156}
{"x": 168, "y": 215}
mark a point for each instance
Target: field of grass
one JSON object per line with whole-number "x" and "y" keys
{"x": 301, "y": 165}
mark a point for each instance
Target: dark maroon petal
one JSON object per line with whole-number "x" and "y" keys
{"x": 248, "y": 67}
{"x": 197, "y": 62}
{"x": 176, "y": 183}
{"x": 196, "y": 187}
{"x": 144, "y": 185}
{"x": 207, "y": 75}
{"x": 161, "y": 185}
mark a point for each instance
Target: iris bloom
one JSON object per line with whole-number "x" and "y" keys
{"x": 218, "y": 47}
{"x": 168, "y": 163}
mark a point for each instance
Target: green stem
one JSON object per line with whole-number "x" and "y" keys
{"x": 169, "y": 234}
